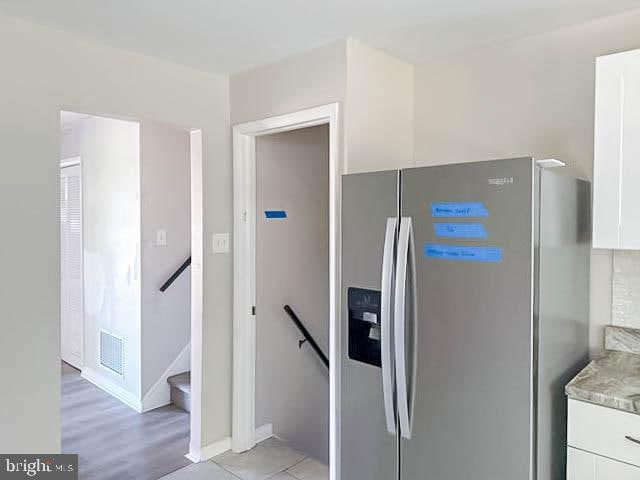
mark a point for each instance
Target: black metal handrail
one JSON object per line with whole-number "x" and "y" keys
{"x": 175, "y": 275}
{"x": 307, "y": 336}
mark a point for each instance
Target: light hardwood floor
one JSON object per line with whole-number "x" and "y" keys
{"x": 116, "y": 442}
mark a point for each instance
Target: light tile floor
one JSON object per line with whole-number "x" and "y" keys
{"x": 271, "y": 459}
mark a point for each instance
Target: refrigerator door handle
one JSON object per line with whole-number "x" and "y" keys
{"x": 386, "y": 333}
{"x": 405, "y": 367}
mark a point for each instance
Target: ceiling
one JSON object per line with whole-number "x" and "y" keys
{"x": 228, "y": 36}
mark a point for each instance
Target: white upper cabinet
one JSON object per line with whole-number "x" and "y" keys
{"x": 616, "y": 175}
{"x": 607, "y": 179}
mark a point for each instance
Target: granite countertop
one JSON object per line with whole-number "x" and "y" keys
{"x": 613, "y": 380}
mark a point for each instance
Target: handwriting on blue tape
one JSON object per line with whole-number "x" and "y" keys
{"x": 275, "y": 214}
{"x": 464, "y": 253}
{"x": 459, "y": 230}
{"x": 459, "y": 209}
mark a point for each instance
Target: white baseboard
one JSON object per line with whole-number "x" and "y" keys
{"x": 159, "y": 393}
{"x": 264, "y": 432}
{"x": 210, "y": 451}
{"x": 104, "y": 383}
{"x": 192, "y": 458}
{"x": 224, "y": 445}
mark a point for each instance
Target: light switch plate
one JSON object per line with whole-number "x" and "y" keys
{"x": 220, "y": 243}
{"x": 161, "y": 238}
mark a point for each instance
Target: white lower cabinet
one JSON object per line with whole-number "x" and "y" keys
{"x": 601, "y": 443}
{"x": 580, "y": 465}
{"x": 611, "y": 470}
{"x": 588, "y": 466}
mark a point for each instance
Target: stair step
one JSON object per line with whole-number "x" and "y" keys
{"x": 181, "y": 390}
{"x": 182, "y": 381}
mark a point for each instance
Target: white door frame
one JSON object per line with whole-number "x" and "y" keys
{"x": 196, "y": 453}
{"x": 244, "y": 326}
{"x": 65, "y": 163}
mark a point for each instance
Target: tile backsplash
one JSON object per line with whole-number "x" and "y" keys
{"x": 625, "y": 295}
{"x": 622, "y": 339}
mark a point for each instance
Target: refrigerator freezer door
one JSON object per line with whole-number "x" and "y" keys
{"x": 473, "y": 229}
{"x": 367, "y": 450}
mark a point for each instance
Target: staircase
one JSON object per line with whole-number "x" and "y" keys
{"x": 180, "y": 384}
{"x": 181, "y": 390}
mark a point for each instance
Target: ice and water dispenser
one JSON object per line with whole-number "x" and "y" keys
{"x": 364, "y": 325}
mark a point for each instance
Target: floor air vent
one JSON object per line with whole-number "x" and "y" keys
{"x": 112, "y": 352}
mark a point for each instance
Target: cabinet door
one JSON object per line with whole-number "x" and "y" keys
{"x": 607, "y": 152}
{"x": 616, "y": 176}
{"x": 630, "y": 162}
{"x": 607, "y": 469}
{"x": 580, "y": 465}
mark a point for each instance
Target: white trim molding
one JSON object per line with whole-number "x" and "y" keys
{"x": 159, "y": 394}
{"x": 111, "y": 388}
{"x": 197, "y": 292}
{"x": 264, "y": 432}
{"x": 209, "y": 451}
{"x": 244, "y": 327}
{"x": 70, "y": 162}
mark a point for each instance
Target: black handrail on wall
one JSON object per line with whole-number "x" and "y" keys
{"x": 175, "y": 275}
{"x": 307, "y": 336}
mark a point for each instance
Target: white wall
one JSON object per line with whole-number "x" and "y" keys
{"x": 533, "y": 96}
{"x": 292, "y": 267}
{"x": 44, "y": 71}
{"x": 110, "y": 151}
{"x": 374, "y": 89}
{"x": 165, "y": 184}
{"x": 302, "y": 81}
{"x": 379, "y": 110}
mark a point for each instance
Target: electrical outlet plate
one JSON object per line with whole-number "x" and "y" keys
{"x": 220, "y": 243}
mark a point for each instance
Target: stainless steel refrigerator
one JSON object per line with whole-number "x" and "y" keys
{"x": 464, "y": 314}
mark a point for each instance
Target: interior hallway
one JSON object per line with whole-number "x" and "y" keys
{"x": 116, "y": 442}
{"x": 271, "y": 459}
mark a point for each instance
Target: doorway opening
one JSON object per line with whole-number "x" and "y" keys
{"x": 286, "y": 299}
{"x": 130, "y": 303}
{"x": 292, "y": 288}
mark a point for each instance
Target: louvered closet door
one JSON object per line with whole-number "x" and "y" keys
{"x": 71, "y": 264}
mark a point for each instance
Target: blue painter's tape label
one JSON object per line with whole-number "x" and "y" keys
{"x": 459, "y": 209}
{"x": 459, "y": 230}
{"x": 464, "y": 253}
{"x": 275, "y": 214}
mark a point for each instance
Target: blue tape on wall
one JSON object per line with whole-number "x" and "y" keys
{"x": 463, "y": 253}
{"x": 459, "y": 209}
{"x": 275, "y": 214}
{"x": 459, "y": 230}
